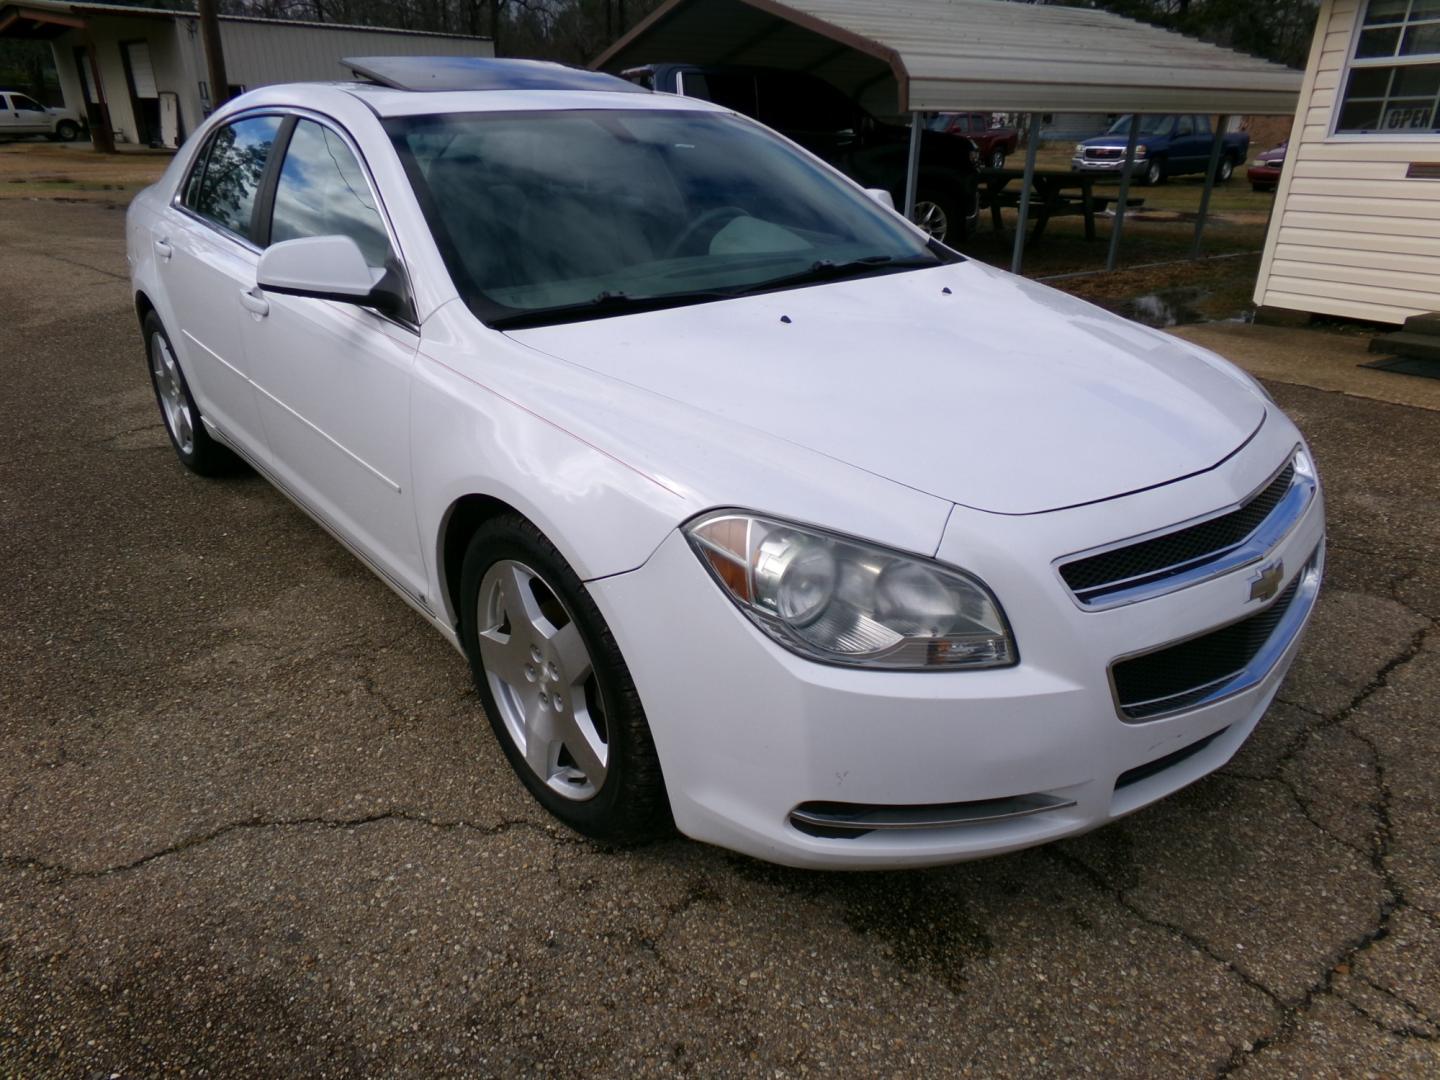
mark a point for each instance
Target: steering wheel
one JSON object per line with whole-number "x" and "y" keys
{"x": 716, "y": 218}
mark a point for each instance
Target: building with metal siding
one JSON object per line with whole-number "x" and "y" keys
{"x": 148, "y": 65}
{"x": 1356, "y": 227}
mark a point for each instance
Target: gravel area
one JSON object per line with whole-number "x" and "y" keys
{"x": 252, "y": 820}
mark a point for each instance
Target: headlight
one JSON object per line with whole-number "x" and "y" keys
{"x": 1080, "y": 149}
{"x": 843, "y": 601}
{"x": 1141, "y": 151}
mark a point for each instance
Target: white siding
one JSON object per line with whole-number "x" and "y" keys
{"x": 1351, "y": 236}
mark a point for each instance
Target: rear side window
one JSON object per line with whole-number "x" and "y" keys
{"x": 233, "y": 169}
{"x": 322, "y": 192}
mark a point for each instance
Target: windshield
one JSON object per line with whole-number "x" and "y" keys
{"x": 579, "y": 214}
{"x": 1149, "y": 125}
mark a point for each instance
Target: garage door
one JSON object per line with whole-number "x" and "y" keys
{"x": 143, "y": 75}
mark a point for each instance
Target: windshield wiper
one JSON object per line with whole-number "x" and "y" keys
{"x": 607, "y": 303}
{"x": 828, "y": 270}
{"x": 602, "y": 305}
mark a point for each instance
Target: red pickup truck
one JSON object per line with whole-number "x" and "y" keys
{"x": 995, "y": 143}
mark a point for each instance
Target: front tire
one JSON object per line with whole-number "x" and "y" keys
{"x": 193, "y": 445}
{"x": 555, "y": 687}
{"x": 1154, "y": 173}
{"x": 1224, "y": 171}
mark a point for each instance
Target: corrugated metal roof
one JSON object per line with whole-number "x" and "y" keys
{"x": 949, "y": 55}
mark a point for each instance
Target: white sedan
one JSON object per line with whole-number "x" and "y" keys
{"x": 752, "y": 508}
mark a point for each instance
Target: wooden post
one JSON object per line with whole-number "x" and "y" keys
{"x": 102, "y": 134}
{"x": 214, "y": 54}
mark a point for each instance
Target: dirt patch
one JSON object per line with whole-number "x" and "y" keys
{"x": 35, "y": 170}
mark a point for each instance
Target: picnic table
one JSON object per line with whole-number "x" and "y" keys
{"x": 1057, "y": 193}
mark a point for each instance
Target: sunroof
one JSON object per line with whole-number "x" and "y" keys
{"x": 480, "y": 73}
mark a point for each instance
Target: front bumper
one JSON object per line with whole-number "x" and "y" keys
{"x": 1103, "y": 165}
{"x": 748, "y": 733}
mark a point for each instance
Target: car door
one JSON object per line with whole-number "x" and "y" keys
{"x": 28, "y": 117}
{"x": 206, "y": 255}
{"x": 333, "y": 377}
{"x": 9, "y": 118}
{"x": 1188, "y": 148}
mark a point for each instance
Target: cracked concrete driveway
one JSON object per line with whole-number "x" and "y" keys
{"x": 254, "y": 822}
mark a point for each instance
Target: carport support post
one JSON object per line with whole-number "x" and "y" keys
{"x": 102, "y": 132}
{"x": 1032, "y": 128}
{"x": 1217, "y": 145}
{"x": 1124, "y": 196}
{"x": 912, "y": 167}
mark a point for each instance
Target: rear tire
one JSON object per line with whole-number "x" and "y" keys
{"x": 67, "y": 131}
{"x": 558, "y": 694}
{"x": 193, "y": 445}
{"x": 997, "y": 159}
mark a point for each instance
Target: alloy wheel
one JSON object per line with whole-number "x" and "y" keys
{"x": 543, "y": 680}
{"x": 931, "y": 217}
{"x": 170, "y": 387}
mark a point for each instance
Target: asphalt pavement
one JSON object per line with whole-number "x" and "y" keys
{"x": 252, "y": 820}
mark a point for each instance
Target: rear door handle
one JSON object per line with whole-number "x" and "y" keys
{"x": 163, "y": 249}
{"x": 254, "y": 302}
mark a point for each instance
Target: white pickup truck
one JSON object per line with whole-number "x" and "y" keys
{"x": 23, "y": 115}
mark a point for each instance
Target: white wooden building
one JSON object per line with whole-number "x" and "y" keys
{"x": 1356, "y": 228}
{"x": 148, "y": 64}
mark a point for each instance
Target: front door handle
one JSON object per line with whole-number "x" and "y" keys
{"x": 163, "y": 249}
{"x": 254, "y": 302}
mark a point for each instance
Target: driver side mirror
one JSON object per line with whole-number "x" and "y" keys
{"x": 330, "y": 268}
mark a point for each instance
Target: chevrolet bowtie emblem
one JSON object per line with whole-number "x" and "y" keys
{"x": 1266, "y": 584}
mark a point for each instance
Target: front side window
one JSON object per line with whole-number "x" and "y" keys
{"x": 1394, "y": 81}
{"x": 234, "y": 166}
{"x": 24, "y": 104}
{"x": 573, "y": 213}
{"x": 322, "y": 192}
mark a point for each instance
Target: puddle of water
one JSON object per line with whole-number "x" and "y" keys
{"x": 1174, "y": 307}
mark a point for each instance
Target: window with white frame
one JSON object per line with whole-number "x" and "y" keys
{"x": 1394, "y": 82}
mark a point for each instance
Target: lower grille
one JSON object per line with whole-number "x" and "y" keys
{"x": 1169, "y": 761}
{"x": 844, "y": 821}
{"x": 1183, "y": 675}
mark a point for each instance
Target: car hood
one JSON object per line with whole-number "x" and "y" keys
{"x": 963, "y": 382}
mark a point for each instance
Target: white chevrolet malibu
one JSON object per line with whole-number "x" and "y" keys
{"x": 751, "y": 507}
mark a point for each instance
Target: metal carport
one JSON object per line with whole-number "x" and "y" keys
{"x": 920, "y": 56}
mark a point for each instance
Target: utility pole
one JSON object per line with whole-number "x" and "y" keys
{"x": 214, "y": 56}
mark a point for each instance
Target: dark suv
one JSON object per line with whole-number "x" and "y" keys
{"x": 819, "y": 117}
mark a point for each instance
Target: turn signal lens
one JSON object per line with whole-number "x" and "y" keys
{"x": 843, "y": 601}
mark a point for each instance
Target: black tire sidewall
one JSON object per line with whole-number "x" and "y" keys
{"x": 206, "y": 456}
{"x": 630, "y": 803}
{"x": 67, "y": 131}
{"x": 1154, "y": 173}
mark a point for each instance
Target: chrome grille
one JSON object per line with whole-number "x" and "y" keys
{"x": 1191, "y": 672}
{"x": 1153, "y": 560}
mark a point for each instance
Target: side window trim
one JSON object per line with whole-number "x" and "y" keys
{"x": 265, "y": 197}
